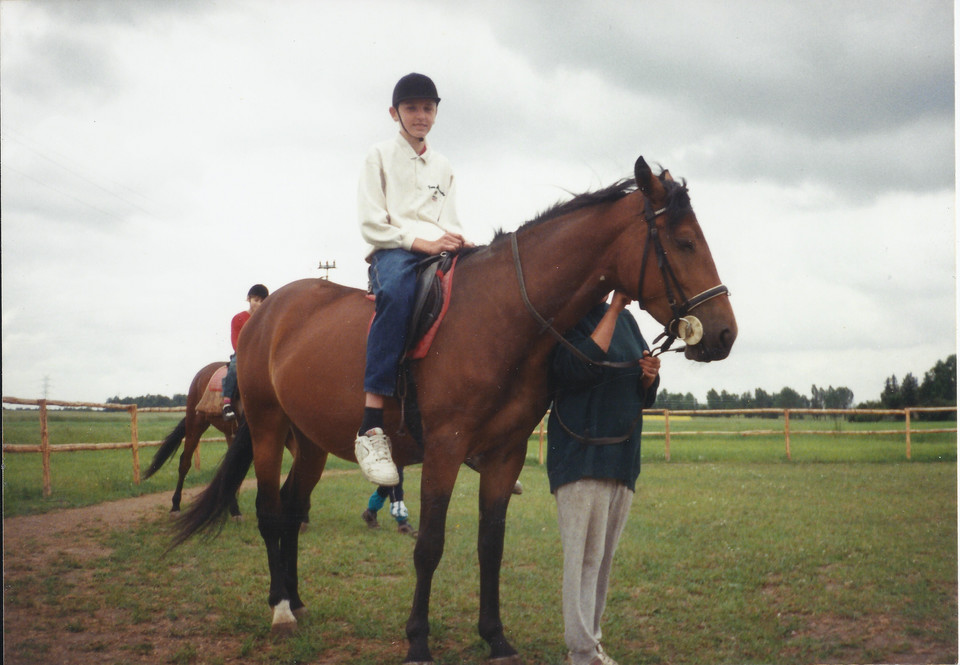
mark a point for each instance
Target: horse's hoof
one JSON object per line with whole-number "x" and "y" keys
{"x": 283, "y": 629}
{"x": 284, "y": 621}
{"x": 237, "y": 518}
{"x": 300, "y": 612}
{"x": 304, "y": 526}
{"x": 515, "y": 659}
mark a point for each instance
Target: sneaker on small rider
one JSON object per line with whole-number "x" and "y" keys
{"x": 373, "y": 455}
{"x": 370, "y": 518}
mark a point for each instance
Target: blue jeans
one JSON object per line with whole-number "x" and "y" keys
{"x": 230, "y": 380}
{"x": 393, "y": 279}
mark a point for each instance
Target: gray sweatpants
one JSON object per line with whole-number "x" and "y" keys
{"x": 592, "y": 514}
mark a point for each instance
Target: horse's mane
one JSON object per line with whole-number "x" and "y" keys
{"x": 677, "y": 202}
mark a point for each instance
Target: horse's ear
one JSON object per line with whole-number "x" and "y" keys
{"x": 643, "y": 174}
{"x": 665, "y": 176}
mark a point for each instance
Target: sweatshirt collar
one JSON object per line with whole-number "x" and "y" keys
{"x": 409, "y": 148}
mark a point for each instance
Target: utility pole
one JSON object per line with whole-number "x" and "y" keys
{"x": 46, "y": 386}
{"x": 326, "y": 267}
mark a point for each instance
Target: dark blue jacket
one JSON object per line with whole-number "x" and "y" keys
{"x": 594, "y": 401}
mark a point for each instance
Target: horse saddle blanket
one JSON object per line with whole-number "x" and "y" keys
{"x": 211, "y": 403}
{"x": 434, "y": 281}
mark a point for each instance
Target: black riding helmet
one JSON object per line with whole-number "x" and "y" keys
{"x": 414, "y": 86}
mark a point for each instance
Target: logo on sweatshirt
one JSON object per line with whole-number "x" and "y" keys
{"x": 437, "y": 192}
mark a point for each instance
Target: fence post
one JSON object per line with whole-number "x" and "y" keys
{"x": 666, "y": 434}
{"x": 45, "y": 447}
{"x": 134, "y": 443}
{"x": 786, "y": 430}
{"x": 906, "y": 413}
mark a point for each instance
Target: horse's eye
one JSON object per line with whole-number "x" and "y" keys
{"x": 686, "y": 244}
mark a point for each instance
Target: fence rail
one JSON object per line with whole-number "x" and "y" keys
{"x": 45, "y": 448}
{"x": 906, "y": 431}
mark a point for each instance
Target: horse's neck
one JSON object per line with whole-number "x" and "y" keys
{"x": 567, "y": 264}
{"x": 564, "y": 263}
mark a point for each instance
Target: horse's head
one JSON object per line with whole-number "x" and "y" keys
{"x": 675, "y": 277}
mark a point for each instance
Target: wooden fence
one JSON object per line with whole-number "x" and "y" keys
{"x": 906, "y": 431}
{"x": 135, "y": 444}
{"x": 45, "y": 448}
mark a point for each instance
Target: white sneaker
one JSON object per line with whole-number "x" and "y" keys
{"x": 373, "y": 455}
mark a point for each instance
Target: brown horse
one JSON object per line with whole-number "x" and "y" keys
{"x": 482, "y": 388}
{"x": 189, "y": 430}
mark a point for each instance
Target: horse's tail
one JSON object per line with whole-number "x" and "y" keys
{"x": 209, "y": 512}
{"x": 167, "y": 448}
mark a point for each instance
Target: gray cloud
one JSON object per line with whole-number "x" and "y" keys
{"x": 760, "y": 82}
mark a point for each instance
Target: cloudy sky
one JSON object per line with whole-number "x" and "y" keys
{"x": 159, "y": 157}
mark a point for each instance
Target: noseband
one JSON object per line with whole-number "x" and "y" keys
{"x": 686, "y": 327}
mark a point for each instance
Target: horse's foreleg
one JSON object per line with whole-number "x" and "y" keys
{"x": 497, "y": 479}
{"x": 435, "y": 491}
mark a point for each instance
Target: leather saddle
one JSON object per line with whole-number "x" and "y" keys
{"x": 429, "y": 299}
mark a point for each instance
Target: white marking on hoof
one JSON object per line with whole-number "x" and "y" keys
{"x": 283, "y": 619}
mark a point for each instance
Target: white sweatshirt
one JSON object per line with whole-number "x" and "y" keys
{"x": 404, "y": 196}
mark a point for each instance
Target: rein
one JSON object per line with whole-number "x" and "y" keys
{"x": 548, "y": 325}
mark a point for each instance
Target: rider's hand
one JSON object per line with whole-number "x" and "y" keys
{"x": 448, "y": 242}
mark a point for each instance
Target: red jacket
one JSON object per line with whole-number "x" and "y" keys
{"x": 235, "y": 325}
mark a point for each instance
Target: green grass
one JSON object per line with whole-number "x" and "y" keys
{"x": 732, "y": 554}
{"x": 719, "y": 563}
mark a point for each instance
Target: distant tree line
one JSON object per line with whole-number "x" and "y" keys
{"x": 787, "y": 398}
{"x": 938, "y": 388}
{"x": 143, "y": 401}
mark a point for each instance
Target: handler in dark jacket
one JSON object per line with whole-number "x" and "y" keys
{"x": 593, "y": 460}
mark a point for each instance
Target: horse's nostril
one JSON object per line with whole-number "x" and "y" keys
{"x": 727, "y": 336}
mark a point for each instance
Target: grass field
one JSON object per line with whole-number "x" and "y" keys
{"x": 847, "y": 554}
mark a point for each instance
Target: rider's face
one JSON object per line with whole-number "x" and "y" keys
{"x": 416, "y": 116}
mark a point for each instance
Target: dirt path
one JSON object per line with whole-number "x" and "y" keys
{"x": 49, "y": 529}
{"x": 55, "y": 549}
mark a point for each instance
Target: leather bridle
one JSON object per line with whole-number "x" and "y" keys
{"x": 680, "y": 305}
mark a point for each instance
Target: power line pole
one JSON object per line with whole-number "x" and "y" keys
{"x": 46, "y": 386}
{"x": 326, "y": 267}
